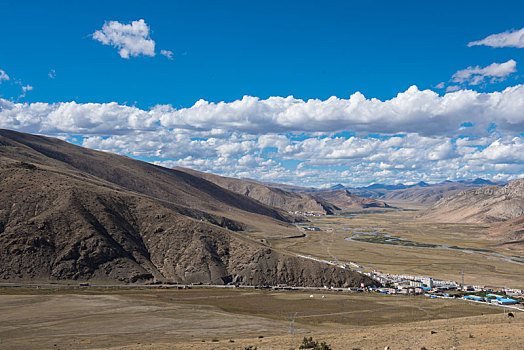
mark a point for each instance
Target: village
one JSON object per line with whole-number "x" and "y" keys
{"x": 428, "y": 286}
{"x": 403, "y": 284}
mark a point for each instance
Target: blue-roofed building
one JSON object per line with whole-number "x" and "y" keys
{"x": 506, "y": 301}
{"x": 496, "y": 296}
{"x": 501, "y": 299}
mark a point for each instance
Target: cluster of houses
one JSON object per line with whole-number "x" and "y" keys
{"x": 409, "y": 284}
{"x": 414, "y": 285}
{"x": 404, "y": 284}
{"x": 310, "y": 228}
{"x": 305, "y": 213}
{"x": 512, "y": 292}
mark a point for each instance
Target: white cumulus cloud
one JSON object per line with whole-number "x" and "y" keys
{"x": 130, "y": 39}
{"x": 25, "y": 89}
{"x": 167, "y": 53}
{"x": 452, "y": 88}
{"x": 512, "y": 38}
{"x": 477, "y": 75}
{"x": 3, "y": 76}
{"x": 412, "y": 111}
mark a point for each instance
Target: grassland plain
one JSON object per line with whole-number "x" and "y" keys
{"x": 476, "y": 256}
{"x": 72, "y": 318}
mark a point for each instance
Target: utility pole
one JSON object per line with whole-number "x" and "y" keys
{"x": 462, "y": 277}
{"x": 292, "y": 323}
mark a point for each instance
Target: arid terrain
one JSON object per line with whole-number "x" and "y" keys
{"x": 105, "y": 318}
{"x": 441, "y": 250}
{"x": 70, "y": 213}
{"x": 500, "y": 207}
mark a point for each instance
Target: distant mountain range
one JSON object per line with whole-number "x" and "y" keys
{"x": 347, "y": 200}
{"x": 324, "y": 202}
{"x": 421, "y": 192}
{"x": 477, "y": 181}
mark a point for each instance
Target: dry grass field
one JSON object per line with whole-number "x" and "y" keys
{"x": 480, "y": 266}
{"x": 235, "y": 319}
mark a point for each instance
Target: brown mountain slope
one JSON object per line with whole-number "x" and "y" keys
{"x": 510, "y": 232}
{"x": 158, "y": 182}
{"x": 346, "y": 200}
{"x": 272, "y": 196}
{"x": 71, "y": 213}
{"x": 483, "y": 205}
{"x": 500, "y": 207}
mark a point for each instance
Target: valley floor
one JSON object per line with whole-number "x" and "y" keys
{"x": 101, "y": 318}
{"x": 398, "y": 242}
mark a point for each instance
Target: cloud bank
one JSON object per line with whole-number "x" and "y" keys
{"x": 413, "y": 111}
{"x": 417, "y": 135}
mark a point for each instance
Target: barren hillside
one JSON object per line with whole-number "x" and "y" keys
{"x": 482, "y": 205}
{"x": 272, "y": 196}
{"x": 500, "y": 207}
{"x": 69, "y": 213}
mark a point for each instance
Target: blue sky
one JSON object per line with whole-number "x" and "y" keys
{"x": 225, "y": 50}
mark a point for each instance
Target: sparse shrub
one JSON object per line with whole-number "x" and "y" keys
{"x": 25, "y": 165}
{"x": 260, "y": 336}
{"x": 250, "y": 347}
{"x": 309, "y": 343}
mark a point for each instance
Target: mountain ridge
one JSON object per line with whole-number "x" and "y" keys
{"x": 71, "y": 213}
{"x": 322, "y": 201}
{"x": 421, "y": 192}
{"x": 272, "y": 196}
